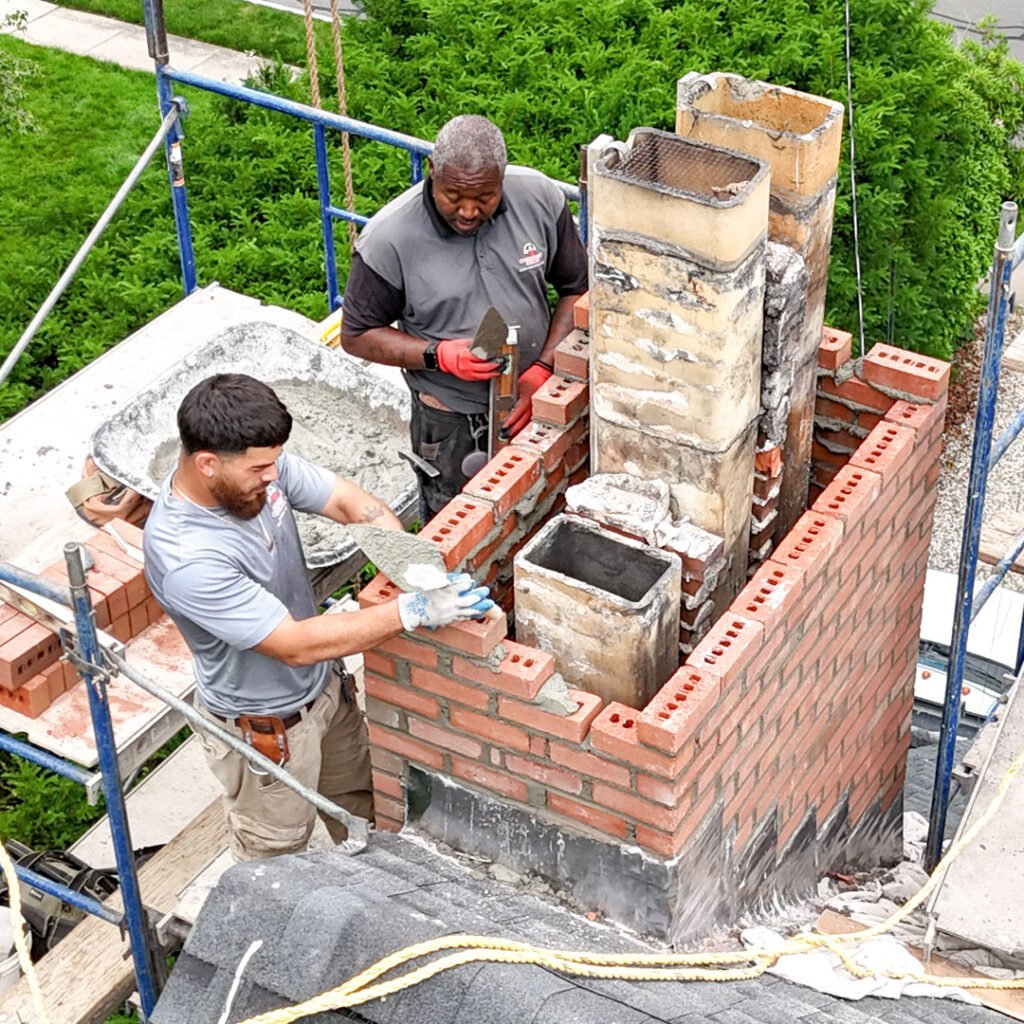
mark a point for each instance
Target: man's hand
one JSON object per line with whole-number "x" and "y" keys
{"x": 460, "y": 599}
{"x": 454, "y": 357}
{"x": 529, "y": 382}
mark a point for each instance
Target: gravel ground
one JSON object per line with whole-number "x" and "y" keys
{"x": 1005, "y": 491}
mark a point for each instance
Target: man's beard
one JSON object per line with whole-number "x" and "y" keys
{"x": 235, "y": 502}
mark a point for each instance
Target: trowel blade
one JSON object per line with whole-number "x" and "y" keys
{"x": 490, "y": 335}
{"x": 409, "y": 561}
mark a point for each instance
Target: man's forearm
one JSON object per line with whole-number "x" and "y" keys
{"x": 388, "y": 346}
{"x": 561, "y": 326}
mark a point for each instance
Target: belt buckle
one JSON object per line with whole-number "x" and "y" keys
{"x": 267, "y": 735}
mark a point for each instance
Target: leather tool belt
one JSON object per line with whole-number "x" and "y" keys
{"x": 266, "y": 734}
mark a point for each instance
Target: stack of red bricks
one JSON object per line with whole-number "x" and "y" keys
{"x": 480, "y": 531}
{"x": 32, "y": 674}
{"x": 795, "y": 704}
{"x": 852, "y": 401}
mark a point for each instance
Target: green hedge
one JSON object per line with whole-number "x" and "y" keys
{"x": 933, "y": 129}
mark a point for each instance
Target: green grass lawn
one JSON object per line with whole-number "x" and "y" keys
{"x": 252, "y": 198}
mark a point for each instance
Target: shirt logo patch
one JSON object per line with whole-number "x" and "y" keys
{"x": 277, "y": 502}
{"x": 532, "y": 256}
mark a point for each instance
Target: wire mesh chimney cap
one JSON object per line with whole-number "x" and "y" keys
{"x": 666, "y": 163}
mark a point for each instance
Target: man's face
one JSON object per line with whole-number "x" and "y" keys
{"x": 239, "y": 482}
{"x": 466, "y": 201}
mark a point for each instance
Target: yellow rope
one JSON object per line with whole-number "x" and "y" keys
{"x": 314, "y": 91}
{"x": 18, "y": 930}
{"x": 346, "y": 148}
{"x": 365, "y": 987}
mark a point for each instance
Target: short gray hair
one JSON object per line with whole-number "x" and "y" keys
{"x": 469, "y": 143}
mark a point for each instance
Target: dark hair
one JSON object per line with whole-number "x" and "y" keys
{"x": 230, "y": 412}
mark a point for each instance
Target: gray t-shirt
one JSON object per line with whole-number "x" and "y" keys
{"x": 444, "y": 282}
{"x": 227, "y": 592}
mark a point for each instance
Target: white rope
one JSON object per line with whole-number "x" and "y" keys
{"x": 18, "y": 931}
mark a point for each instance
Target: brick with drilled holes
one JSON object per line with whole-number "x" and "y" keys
{"x": 505, "y": 479}
{"x": 908, "y": 372}
{"x": 835, "y": 349}
{"x": 560, "y": 401}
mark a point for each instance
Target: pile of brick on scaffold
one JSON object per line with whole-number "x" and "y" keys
{"x": 33, "y": 671}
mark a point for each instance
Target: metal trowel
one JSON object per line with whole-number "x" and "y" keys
{"x": 409, "y": 561}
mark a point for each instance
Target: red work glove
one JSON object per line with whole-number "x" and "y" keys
{"x": 529, "y": 382}
{"x": 454, "y": 357}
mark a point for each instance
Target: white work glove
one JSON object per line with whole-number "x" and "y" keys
{"x": 460, "y": 599}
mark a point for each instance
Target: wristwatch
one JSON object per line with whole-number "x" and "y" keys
{"x": 430, "y": 356}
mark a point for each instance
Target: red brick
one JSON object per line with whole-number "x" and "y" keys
{"x": 507, "y": 737}
{"x": 475, "y": 637}
{"x": 549, "y": 442}
{"x": 728, "y": 648}
{"x": 851, "y": 495}
{"x": 811, "y": 543}
{"x": 128, "y": 532}
{"x": 459, "y": 527}
{"x": 885, "y": 450}
{"x": 572, "y": 356}
{"x": 771, "y": 593}
{"x": 386, "y": 762}
{"x": 825, "y": 408}
{"x": 918, "y": 416}
{"x": 581, "y": 312}
{"x": 591, "y": 765}
{"x": 441, "y": 737}
{"x": 471, "y": 771}
{"x": 522, "y": 673}
{"x": 505, "y": 479}
{"x": 595, "y": 818}
{"x": 13, "y": 623}
{"x": 388, "y": 784}
{"x": 407, "y": 649}
{"x": 538, "y": 746}
{"x": 545, "y": 774}
{"x": 138, "y": 618}
{"x": 27, "y": 653}
{"x": 560, "y": 401}
{"x": 835, "y": 349}
{"x": 55, "y": 680}
{"x": 389, "y": 815}
{"x": 823, "y": 457}
{"x": 153, "y": 610}
{"x": 379, "y": 590}
{"x": 383, "y": 667}
{"x": 769, "y": 461}
{"x": 404, "y": 746}
{"x": 856, "y": 392}
{"x": 655, "y": 815}
{"x": 679, "y": 710}
{"x": 661, "y": 843}
{"x": 567, "y": 727}
{"x": 30, "y": 699}
{"x": 909, "y": 372}
{"x": 838, "y": 441}
{"x": 107, "y": 594}
{"x": 390, "y": 693}
{"x": 432, "y": 682}
{"x": 614, "y": 733}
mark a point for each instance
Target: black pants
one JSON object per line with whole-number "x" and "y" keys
{"x": 443, "y": 440}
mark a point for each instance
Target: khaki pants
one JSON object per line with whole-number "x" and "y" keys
{"x": 329, "y": 752}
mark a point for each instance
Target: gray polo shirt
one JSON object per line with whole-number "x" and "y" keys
{"x": 227, "y": 591}
{"x": 410, "y": 266}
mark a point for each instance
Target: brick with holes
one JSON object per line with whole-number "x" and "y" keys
{"x": 679, "y": 710}
{"x": 459, "y": 527}
{"x": 908, "y": 372}
{"x": 560, "y": 401}
{"x": 505, "y": 479}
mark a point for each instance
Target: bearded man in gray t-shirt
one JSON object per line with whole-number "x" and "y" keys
{"x": 224, "y": 560}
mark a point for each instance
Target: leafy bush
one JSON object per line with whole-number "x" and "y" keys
{"x": 40, "y": 809}
{"x": 933, "y": 126}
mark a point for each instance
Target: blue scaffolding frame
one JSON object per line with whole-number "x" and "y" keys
{"x": 1007, "y": 256}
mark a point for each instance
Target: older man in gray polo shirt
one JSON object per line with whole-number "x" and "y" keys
{"x": 224, "y": 560}
{"x": 476, "y": 233}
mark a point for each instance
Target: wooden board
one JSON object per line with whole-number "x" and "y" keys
{"x": 89, "y": 975}
{"x": 1013, "y": 355}
{"x": 1008, "y": 1001}
{"x": 997, "y": 537}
